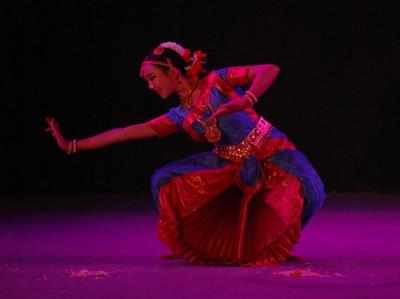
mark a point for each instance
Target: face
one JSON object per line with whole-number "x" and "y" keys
{"x": 158, "y": 80}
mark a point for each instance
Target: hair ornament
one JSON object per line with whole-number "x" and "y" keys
{"x": 197, "y": 64}
{"x": 194, "y": 60}
{"x": 174, "y": 47}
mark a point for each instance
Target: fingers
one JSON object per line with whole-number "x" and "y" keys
{"x": 51, "y": 131}
{"x": 52, "y": 125}
{"x": 232, "y": 106}
{"x": 220, "y": 111}
{"x": 49, "y": 119}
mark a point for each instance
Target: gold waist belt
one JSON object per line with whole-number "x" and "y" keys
{"x": 238, "y": 152}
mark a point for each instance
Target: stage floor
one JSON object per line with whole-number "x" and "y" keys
{"x": 105, "y": 246}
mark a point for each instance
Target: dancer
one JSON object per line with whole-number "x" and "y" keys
{"x": 246, "y": 200}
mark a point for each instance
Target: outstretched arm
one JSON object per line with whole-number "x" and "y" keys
{"x": 116, "y": 135}
{"x": 258, "y": 78}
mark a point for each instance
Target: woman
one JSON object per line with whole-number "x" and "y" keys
{"x": 245, "y": 201}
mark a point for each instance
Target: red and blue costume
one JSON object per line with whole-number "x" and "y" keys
{"x": 242, "y": 203}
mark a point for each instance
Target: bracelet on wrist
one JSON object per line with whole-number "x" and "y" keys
{"x": 72, "y": 147}
{"x": 251, "y": 96}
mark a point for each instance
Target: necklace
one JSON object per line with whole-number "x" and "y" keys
{"x": 211, "y": 130}
{"x": 187, "y": 100}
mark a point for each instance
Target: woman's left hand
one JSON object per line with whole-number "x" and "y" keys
{"x": 231, "y": 106}
{"x": 54, "y": 129}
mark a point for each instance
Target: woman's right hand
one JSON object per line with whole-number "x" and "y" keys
{"x": 55, "y": 131}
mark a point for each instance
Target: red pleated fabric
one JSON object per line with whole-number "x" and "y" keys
{"x": 206, "y": 218}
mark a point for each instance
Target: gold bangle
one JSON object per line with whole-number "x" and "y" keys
{"x": 69, "y": 148}
{"x": 72, "y": 147}
{"x": 76, "y": 145}
{"x": 252, "y": 96}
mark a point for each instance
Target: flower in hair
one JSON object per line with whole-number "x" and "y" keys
{"x": 199, "y": 56}
{"x": 197, "y": 65}
{"x": 158, "y": 51}
{"x": 187, "y": 55}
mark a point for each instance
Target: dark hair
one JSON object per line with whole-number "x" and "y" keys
{"x": 167, "y": 54}
{"x": 190, "y": 64}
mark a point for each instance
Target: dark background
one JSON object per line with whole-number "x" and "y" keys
{"x": 79, "y": 61}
